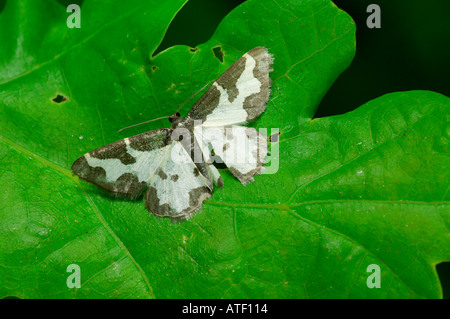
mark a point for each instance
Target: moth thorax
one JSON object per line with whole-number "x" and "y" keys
{"x": 177, "y": 123}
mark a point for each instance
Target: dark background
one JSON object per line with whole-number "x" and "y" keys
{"x": 411, "y": 51}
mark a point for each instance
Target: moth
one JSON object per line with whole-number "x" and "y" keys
{"x": 174, "y": 166}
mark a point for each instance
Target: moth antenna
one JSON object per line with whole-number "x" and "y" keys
{"x": 165, "y": 117}
{"x": 159, "y": 118}
{"x": 195, "y": 94}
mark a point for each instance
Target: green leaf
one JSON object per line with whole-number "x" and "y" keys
{"x": 366, "y": 187}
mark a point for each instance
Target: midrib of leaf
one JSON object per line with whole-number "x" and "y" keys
{"x": 284, "y": 207}
{"x": 103, "y": 222}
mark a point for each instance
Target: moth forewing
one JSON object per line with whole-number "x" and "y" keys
{"x": 124, "y": 167}
{"x": 240, "y": 94}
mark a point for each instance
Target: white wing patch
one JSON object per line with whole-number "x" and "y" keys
{"x": 228, "y": 113}
{"x": 177, "y": 189}
{"x": 145, "y": 166}
{"x": 206, "y": 151}
{"x": 242, "y": 149}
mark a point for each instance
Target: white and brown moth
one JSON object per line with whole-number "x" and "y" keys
{"x": 177, "y": 188}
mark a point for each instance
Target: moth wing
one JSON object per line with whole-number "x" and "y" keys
{"x": 125, "y": 166}
{"x": 178, "y": 189}
{"x": 240, "y": 94}
{"x": 204, "y": 146}
{"x": 242, "y": 149}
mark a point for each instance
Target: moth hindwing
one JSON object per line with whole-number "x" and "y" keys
{"x": 175, "y": 170}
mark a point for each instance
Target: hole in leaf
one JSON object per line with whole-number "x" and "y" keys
{"x": 220, "y": 165}
{"x": 218, "y": 53}
{"x": 274, "y": 138}
{"x": 196, "y": 22}
{"x": 59, "y": 98}
{"x": 217, "y": 161}
{"x": 154, "y": 68}
{"x": 193, "y": 50}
